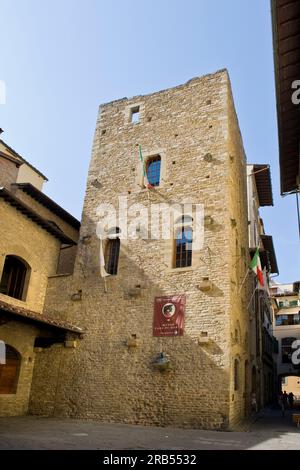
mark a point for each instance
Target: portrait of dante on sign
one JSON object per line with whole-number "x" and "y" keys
{"x": 168, "y": 310}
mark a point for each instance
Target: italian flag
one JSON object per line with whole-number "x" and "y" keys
{"x": 145, "y": 177}
{"x": 255, "y": 265}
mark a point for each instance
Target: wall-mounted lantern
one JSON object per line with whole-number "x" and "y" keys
{"x": 161, "y": 362}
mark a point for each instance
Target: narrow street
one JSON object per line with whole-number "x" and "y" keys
{"x": 269, "y": 431}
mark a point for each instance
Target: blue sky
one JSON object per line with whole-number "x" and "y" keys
{"x": 61, "y": 58}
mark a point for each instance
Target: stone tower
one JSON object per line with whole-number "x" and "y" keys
{"x": 193, "y": 131}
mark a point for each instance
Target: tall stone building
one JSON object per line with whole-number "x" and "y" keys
{"x": 125, "y": 369}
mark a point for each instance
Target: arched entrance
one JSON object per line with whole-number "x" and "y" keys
{"x": 290, "y": 383}
{"x": 9, "y": 372}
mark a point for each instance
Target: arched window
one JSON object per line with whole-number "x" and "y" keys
{"x": 15, "y": 277}
{"x": 112, "y": 251}
{"x": 153, "y": 170}
{"x": 236, "y": 374}
{"x": 9, "y": 372}
{"x": 184, "y": 219}
{"x": 183, "y": 247}
{"x": 113, "y": 232}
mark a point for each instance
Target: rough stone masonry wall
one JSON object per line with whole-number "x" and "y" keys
{"x": 240, "y": 290}
{"x": 103, "y": 378}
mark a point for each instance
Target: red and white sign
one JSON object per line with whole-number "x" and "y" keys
{"x": 169, "y": 315}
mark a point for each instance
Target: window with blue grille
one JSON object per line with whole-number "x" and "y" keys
{"x": 153, "y": 170}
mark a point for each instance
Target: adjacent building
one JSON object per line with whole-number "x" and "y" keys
{"x": 286, "y": 45}
{"x": 286, "y": 42}
{"x": 263, "y": 345}
{"x": 38, "y": 240}
{"x": 286, "y": 307}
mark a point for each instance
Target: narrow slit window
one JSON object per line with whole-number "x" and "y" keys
{"x": 112, "y": 256}
{"x": 236, "y": 375}
{"x": 183, "y": 247}
{"x": 153, "y": 170}
{"x": 135, "y": 115}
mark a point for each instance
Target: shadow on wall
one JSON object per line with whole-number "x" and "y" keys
{"x": 105, "y": 379}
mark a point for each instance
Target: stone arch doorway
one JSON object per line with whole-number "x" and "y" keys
{"x": 290, "y": 383}
{"x": 9, "y": 372}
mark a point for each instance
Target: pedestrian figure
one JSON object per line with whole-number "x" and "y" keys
{"x": 281, "y": 403}
{"x": 291, "y": 400}
{"x": 284, "y": 402}
{"x": 253, "y": 403}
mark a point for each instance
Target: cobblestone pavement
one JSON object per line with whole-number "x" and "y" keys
{"x": 268, "y": 431}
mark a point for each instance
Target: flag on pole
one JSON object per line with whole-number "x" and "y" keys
{"x": 145, "y": 181}
{"x": 255, "y": 265}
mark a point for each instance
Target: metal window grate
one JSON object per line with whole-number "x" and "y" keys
{"x": 113, "y": 251}
{"x": 153, "y": 171}
{"x": 183, "y": 254}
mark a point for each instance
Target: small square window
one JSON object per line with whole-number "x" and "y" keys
{"x": 135, "y": 115}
